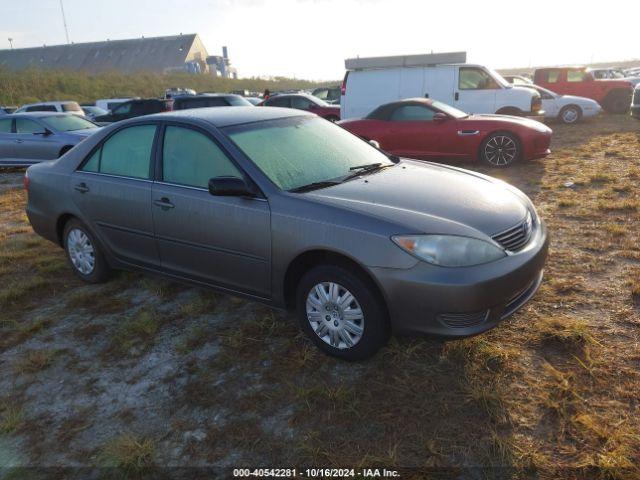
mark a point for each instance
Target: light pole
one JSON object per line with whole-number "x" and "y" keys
{"x": 11, "y": 43}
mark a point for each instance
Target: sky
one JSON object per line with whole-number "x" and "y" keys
{"x": 311, "y": 38}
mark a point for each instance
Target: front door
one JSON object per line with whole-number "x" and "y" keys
{"x": 32, "y": 144}
{"x": 476, "y": 92}
{"x": 112, "y": 189}
{"x": 221, "y": 240}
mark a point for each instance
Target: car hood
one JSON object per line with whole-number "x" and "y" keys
{"x": 430, "y": 198}
{"x": 508, "y": 119}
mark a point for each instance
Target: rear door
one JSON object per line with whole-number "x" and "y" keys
{"x": 6, "y": 138}
{"x": 476, "y": 91}
{"x": 112, "y": 189}
{"x": 221, "y": 240}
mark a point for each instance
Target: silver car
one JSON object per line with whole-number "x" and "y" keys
{"x": 29, "y": 138}
{"x": 283, "y": 207}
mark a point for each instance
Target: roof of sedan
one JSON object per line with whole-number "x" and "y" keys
{"x": 41, "y": 114}
{"x": 227, "y": 116}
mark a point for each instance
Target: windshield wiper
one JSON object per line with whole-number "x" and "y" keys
{"x": 314, "y": 186}
{"x": 368, "y": 166}
{"x": 360, "y": 169}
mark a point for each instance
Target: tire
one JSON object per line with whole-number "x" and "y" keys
{"x": 570, "y": 114}
{"x": 322, "y": 318}
{"x": 617, "y": 101}
{"x": 84, "y": 253}
{"x": 500, "y": 149}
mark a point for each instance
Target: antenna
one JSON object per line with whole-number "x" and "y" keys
{"x": 64, "y": 21}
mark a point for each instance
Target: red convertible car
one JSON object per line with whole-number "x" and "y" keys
{"x": 428, "y": 129}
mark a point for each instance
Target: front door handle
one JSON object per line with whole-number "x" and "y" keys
{"x": 81, "y": 187}
{"x": 164, "y": 203}
{"x": 457, "y": 96}
{"x": 19, "y": 141}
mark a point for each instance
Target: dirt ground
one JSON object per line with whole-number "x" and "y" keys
{"x": 141, "y": 374}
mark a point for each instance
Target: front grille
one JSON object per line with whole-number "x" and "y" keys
{"x": 516, "y": 237}
{"x": 463, "y": 320}
{"x": 522, "y": 297}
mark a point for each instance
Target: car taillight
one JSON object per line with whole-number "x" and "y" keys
{"x": 343, "y": 87}
{"x": 25, "y": 181}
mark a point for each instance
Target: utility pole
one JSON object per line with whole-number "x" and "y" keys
{"x": 64, "y": 21}
{"x": 11, "y": 42}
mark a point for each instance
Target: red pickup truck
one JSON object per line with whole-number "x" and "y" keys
{"x": 613, "y": 95}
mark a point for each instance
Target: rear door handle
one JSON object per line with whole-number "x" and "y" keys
{"x": 164, "y": 203}
{"x": 19, "y": 141}
{"x": 82, "y": 188}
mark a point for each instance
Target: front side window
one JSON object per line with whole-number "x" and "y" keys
{"x": 472, "y": 78}
{"x": 297, "y": 151}
{"x": 237, "y": 101}
{"x": 5, "y": 125}
{"x": 123, "y": 109}
{"x": 191, "y": 158}
{"x": 24, "y": 125}
{"x": 576, "y": 76}
{"x": 412, "y": 113}
{"x": 301, "y": 103}
{"x": 279, "y": 102}
{"x": 553, "y": 76}
{"x": 127, "y": 153}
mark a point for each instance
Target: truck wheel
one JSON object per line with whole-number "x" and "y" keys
{"x": 500, "y": 149}
{"x": 617, "y": 101}
{"x": 570, "y": 114}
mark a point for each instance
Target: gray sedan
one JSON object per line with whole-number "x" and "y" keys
{"x": 29, "y": 138}
{"x": 286, "y": 208}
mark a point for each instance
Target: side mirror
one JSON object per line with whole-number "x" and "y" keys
{"x": 45, "y": 133}
{"x": 440, "y": 117}
{"x": 230, "y": 187}
{"x": 375, "y": 144}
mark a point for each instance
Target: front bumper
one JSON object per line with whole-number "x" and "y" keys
{"x": 458, "y": 302}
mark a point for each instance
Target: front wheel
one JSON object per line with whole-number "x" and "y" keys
{"x": 500, "y": 149}
{"x": 84, "y": 253}
{"x": 570, "y": 114}
{"x": 341, "y": 313}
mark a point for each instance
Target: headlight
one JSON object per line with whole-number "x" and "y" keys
{"x": 449, "y": 250}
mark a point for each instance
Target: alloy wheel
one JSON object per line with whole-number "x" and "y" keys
{"x": 335, "y": 315}
{"x": 500, "y": 150}
{"x": 570, "y": 115}
{"x": 81, "y": 251}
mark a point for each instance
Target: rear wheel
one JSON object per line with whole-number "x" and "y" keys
{"x": 500, "y": 149}
{"x": 341, "y": 313}
{"x": 617, "y": 101}
{"x": 84, "y": 253}
{"x": 570, "y": 114}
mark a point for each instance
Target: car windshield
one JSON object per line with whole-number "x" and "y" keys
{"x": 448, "y": 109}
{"x": 298, "y": 151}
{"x": 498, "y": 78}
{"x": 68, "y": 123}
{"x": 238, "y": 101}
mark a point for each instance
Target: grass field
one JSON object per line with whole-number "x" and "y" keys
{"x": 141, "y": 373}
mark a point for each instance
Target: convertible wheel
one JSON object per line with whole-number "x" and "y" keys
{"x": 500, "y": 150}
{"x": 341, "y": 313}
{"x": 84, "y": 253}
{"x": 570, "y": 114}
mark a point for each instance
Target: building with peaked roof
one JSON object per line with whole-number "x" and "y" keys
{"x": 184, "y": 53}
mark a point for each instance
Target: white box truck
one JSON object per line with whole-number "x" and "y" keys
{"x": 371, "y": 82}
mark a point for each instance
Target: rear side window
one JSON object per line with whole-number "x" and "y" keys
{"x": 5, "y": 125}
{"x": 123, "y": 109}
{"x": 412, "y": 113}
{"x": 552, "y": 76}
{"x": 301, "y": 103}
{"x": 24, "y": 125}
{"x": 191, "y": 158}
{"x": 127, "y": 153}
{"x": 472, "y": 78}
{"x": 278, "y": 102}
{"x": 42, "y": 108}
{"x": 575, "y": 76}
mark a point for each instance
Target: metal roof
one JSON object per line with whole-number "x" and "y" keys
{"x": 156, "y": 54}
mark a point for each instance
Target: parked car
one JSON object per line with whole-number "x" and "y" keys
{"x": 178, "y": 92}
{"x": 135, "y": 108}
{"x": 111, "y": 103}
{"x": 428, "y": 129}
{"x": 566, "y": 108}
{"x": 210, "y": 100}
{"x": 29, "y": 138}
{"x": 635, "y": 107}
{"x": 285, "y": 208}
{"x": 613, "y": 74}
{"x": 62, "y": 107}
{"x": 91, "y": 111}
{"x": 303, "y": 101}
{"x": 613, "y": 95}
{"x": 330, "y": 95}
{"x": 6, "y": 110}
{"x": 470, "y": 88}
{"x": 518, "y": 80}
